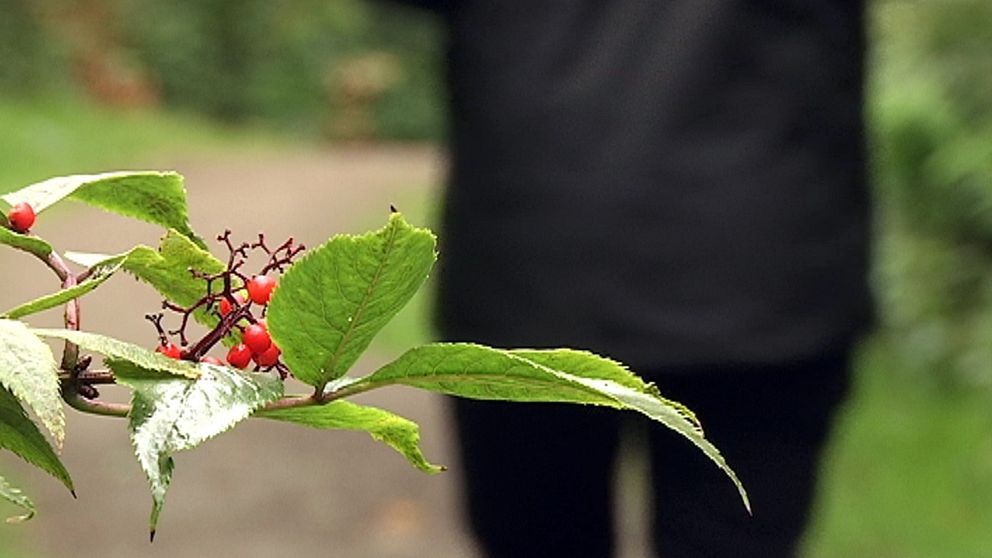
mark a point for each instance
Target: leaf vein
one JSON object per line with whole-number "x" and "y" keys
{"x": 387, "y": 248}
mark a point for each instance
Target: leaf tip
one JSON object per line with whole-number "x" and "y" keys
{"x": 432, "y": 468}
{"x": 151, "y": 535}
{"x": 392, "y": 209}
{"x": 73, "y": 492}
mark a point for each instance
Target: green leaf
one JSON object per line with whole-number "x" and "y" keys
{"x": 174, "y": 415}
{"x": 167, "y": 270}
{"x": 329, "y": 305}
{"x": 478, "y": 372}
{"x": 583, "y": 363}
{"x": 25, "y": 242}
{"x": 28, "y": 370}
{"x": 19, "y": 435}
{"x": 16, "y": 497}
{"x": 397, "y": 432}
{"x": 121, "y": 350}
{"x": 590, "y": 365}
{"x": 98, "y": 274}
{"x": 154, "y": 197}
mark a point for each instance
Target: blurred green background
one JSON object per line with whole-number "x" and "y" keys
{"x": 97, "y": 84}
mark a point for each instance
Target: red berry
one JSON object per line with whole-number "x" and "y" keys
{"x": 225, "y": 305}
{"x": 170, "y": 350}
{"x": 257, "y": 338}
{"x": 21, "y": 217}
{"x": 260, "y": 288}
{"x": 269, "y": 357}
{"x": 212, "y": 360}
{"x": 239, "y": 356}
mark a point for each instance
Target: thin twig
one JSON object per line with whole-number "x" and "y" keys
{"x": 70, "y": 352}
{"x": 93, "y": 406}
{"x": 91, "y": 377}
{"x": 318, "y": 398}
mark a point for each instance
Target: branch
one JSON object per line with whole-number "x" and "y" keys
{"x": 219, "y": 331}
{"x": 291, "y": 402}
{"x": 70, "y": 354}
{"x": 91, "y": 377}
{"x": 92, "y": 406}
{"x": 294, "y": 401}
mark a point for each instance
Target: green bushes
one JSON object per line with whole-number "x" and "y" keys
{"x": 30, "y": 62}
{"x": 931, "y": 117}
{"x": 342, "y": 68}
{"x": 353, "y": 69}
{"x": 358, "y": 69}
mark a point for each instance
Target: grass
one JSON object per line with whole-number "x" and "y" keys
{"x": 50, "y": 137}
{"x": 910, "y": 472}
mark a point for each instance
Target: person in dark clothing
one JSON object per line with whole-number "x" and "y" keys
{"x": 679, "y": 185}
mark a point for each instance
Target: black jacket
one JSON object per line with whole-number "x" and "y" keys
{"x": 668, "y": 182}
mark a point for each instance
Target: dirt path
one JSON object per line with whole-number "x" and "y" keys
{"x": 265, "y": 489}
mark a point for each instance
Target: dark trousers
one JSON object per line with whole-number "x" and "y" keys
{"x": 539, "y": 476}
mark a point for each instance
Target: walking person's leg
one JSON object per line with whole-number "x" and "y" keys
{"x": 538, "y": 477}
{"x": 771, "y": 424}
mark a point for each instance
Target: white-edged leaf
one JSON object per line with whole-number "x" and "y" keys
{"x": 122, "y": 350}
{"x": 99, "y": 273}
{"x": 478, "y": 372}
{"x": 29, "y": 371}
{"x": 172, "y": 415}
{"x": 151, "y": 196}
{"x": 590, "y": 365}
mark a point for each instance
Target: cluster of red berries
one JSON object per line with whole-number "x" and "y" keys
{"x": 256, "y": 344}
{"x": 21, "y": 217}
{"x": 234, "y": 304}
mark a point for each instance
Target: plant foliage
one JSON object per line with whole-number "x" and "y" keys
{"x": 324, "y": 313}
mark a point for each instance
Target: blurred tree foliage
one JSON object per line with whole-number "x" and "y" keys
{"x": 354, "y": 68}
{"x": 368, "y": 69}
{"x": 931, "y": 112}
{"x": 29, "y": 62}
{"x": 337, "y": 68}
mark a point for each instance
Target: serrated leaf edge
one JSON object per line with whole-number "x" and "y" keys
{"x": 166, "y": 459}
{"x": 327, "y": 369}
{"x": 55, "y": 424}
